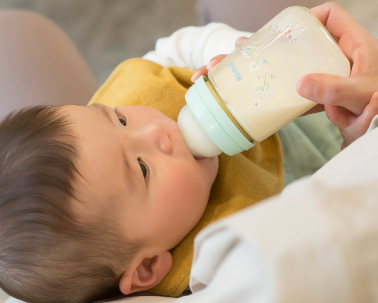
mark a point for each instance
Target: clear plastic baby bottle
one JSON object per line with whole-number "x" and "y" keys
{"x": 251, "y": 93}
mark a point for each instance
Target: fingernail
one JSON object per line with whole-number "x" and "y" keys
{"x": 308, "y": 88}
{"x": 195, "y": 76}
{"x": 211, "y": 64}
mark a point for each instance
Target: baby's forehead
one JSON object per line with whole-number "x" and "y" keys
{"x": 82, "y": 118}
{"x": 75, "y": 112}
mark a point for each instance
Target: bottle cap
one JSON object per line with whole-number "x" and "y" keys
{"x": 214, "y": 121}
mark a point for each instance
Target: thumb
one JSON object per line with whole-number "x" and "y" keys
{"x": 335, "y": 90}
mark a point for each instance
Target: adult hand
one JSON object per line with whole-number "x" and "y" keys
{"x": 352, "y": 127}
{"x": 348, "y": 102}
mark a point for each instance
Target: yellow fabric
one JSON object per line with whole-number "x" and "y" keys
{"x": 242, "y": 180}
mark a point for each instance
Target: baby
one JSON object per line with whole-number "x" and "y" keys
{"x": 113, "y": 179}
{"x": 99, "y": 198}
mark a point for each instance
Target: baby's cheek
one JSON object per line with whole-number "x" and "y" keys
{"x": 193, "y": 193}
{"x": 210, "y": 169}
{"x": 215, "y": 168}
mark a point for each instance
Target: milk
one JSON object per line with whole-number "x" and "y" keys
{"x": 251, "y": 93}
{"x": 262, "y": 123}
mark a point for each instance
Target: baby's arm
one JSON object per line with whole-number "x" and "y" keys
{"x": 191, "y": 47}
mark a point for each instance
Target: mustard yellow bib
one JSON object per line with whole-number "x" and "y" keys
{"x": 242, "y": 180}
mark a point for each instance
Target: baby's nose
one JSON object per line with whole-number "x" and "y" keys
{"x": 155, "y": 135}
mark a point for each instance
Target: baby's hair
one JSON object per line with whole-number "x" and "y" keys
{"x": 48, "y": 255}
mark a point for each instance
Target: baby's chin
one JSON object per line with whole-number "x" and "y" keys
{"x": 210, "y": 165}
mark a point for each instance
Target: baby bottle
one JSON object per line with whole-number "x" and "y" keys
{"x": 251, "y": 93}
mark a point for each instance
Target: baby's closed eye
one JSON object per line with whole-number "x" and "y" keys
{"x": 144, "y": 168}
{"x": 120, "y": 117}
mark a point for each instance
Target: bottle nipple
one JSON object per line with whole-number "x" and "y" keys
{"x": 196, "y": 139}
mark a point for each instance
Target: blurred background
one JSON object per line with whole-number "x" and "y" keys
{"x": 110, "y": 31}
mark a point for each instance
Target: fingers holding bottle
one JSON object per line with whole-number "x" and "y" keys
{"x": 361, "y": 49}
{"x": 239, "y": 41}
{"x": 351, "y": 93}
{"x": 203, "y": 70}
{"x": 351, "y": 126}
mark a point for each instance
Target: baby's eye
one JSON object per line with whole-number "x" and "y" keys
{"x": 144, "y": 169}
{"x": 120, "y": 117}
{"x": 123, "y": 122}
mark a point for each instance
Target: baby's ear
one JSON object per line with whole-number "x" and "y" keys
{"x": 147, "y": 274}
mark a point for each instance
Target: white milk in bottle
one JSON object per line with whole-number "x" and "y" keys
{"x": 251, "y": 93}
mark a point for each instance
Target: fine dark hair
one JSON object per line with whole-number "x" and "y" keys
{"x": 48, "y": 255}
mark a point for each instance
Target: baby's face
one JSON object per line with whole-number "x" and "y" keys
{"x": 137, "y": 169}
